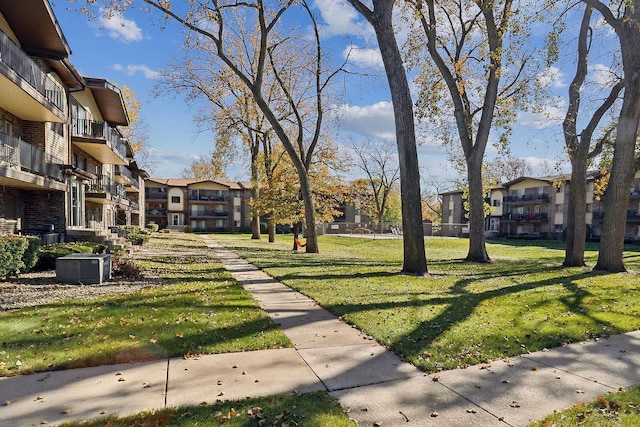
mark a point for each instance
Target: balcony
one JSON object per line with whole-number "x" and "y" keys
{"x": 526, "y": 218}
{"x": 155, "y": 195}
{"x": 24, "y": 166}
{"x": 157, "y": 212}
{"x": 204, "y": 196}
{"x": 209, "y": 213}
{"x": 123, "y": 175}
{"x": 527, "y": 198}
{"x": 100, "y": 141}
{"x": 25, "y": 90}
{"x": 105, "y": 190}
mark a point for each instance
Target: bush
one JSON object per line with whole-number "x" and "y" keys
{"x": 12, "y": 249}
{"x": 125, "y": 268}
{"x": 188, "y": 229}
{"x": 136, "y": 235}
{"x": 165, "y": 231}
{"x": 153, "y": 228}
{"x": 49, "y": 254}
{"x": 32, "y": 253}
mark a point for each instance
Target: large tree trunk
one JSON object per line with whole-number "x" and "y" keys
{"x": 477, "y": 248}
{"x": 272, "y": 231}
{"x": 255, "y": 191}
{"x": 415, "y": 261}
{"x": 610, "y": 256}
{"x": 309, "y": 216}
{"x": 577, "y": 209}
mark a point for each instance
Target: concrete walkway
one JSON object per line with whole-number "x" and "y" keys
{"x": 373, "y": 383}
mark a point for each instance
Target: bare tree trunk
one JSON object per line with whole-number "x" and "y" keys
{"x": 477, "y": 248}
{"x": 610, "y": 256}
{"x": 415, "y": 261}
{"x": 255, "y": 191}
{"x": 272, "y": 231}
{"x": 577, "y": 209}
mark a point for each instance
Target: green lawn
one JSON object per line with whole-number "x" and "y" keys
{"x": 309, "y": 410}
{"x": 463, "y": 313}
{"x": 198, "y": 309}
{"x": 610, "y": 410}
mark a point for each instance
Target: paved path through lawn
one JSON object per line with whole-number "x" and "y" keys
{"x": 372, "y": 382}
{"x": 378, "y": 387}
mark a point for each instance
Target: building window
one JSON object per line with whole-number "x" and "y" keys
{"x": 175, "y": 199}
{"x": 8, "y": 128}
{"x": 559, "y": 208}
{"x": 58, "y": 128}
{"x": 496, "y": 202}
{"x": 589, "y": 207}
{"x": 10, "y": 207}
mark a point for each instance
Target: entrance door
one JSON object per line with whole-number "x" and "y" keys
{"x": 76, "y": 203}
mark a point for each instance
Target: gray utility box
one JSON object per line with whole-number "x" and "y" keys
{"x": 86, "y": 269}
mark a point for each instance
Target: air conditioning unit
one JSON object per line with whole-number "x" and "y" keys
{"x": 86, "y": 269}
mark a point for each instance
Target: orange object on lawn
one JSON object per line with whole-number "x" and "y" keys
{"x": 302, "y": 245}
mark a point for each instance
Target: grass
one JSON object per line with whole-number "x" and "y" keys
{"x": 613, "y": 409}
{"x": 310, "y": 410}
{"x": 463, "y": 313}
{"x": 198, "y": 309}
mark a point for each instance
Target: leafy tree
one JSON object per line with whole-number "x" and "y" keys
{"x": 136, "y": 132}
{"x": 380, "y": 166}
{"x": 477, "y": 69}
{"x": 205, "y": 169}
{"x": 228, "y": 25}
{"x": 580, "y": 147}
{"x": 379, "y": 13}
{"x": 624, "y": 18}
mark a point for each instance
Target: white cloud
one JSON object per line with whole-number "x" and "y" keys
{"x": 374, "y": 120}
{"x": 544, "y": 116}
{"x": 341, "y": 19}
{"x": 363, "y": 57}
{"x": 120, "y": 28}
{"x": 133, "y": 69}
{"x": 551, "y": 77}
{"x": 170, "y": 164}
{"x": 602, "y": 76}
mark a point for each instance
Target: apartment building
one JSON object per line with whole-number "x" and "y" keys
{"x": 59, "y": 149}
{"x": 537, "y": 207}
{"x": 203, "y": 205}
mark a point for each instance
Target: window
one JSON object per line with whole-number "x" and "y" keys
{"x": 58, "y": 128}
{"x": 559, "y": 208}
{"x": 496, "y": 202}
{"x": 589, "y": 207}
{"x": 175, "y": 199}
{"x": 10, "y": 207}
{"x": 8, "y": 128}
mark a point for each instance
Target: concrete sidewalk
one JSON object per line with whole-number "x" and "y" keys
{"x": 372, "y": 382}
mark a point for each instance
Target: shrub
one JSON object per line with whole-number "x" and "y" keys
{"x": 32, "y": 253}
{"x": 136, "y": 235}
{"x": 153, "y": 228}
{"x": 49, "y": 254}
{"x": 125, "y": 268}
{"x": 188, "y": 229}
{"x": 165, "y": 231}
{"x": 12, "y": 249}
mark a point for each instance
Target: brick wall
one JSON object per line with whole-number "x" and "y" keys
{"x": 44, "y": 207}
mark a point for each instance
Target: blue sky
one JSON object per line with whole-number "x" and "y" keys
{"x": 133, "y": 48}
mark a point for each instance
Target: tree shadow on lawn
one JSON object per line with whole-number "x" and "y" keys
{"x": 461, "y": 305}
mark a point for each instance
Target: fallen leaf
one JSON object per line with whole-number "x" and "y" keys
{"x": 535, "y": 368}
{"x": 434, "y": 414}
{"x": 153, "y": 341}
{"x": 66, "y": 411}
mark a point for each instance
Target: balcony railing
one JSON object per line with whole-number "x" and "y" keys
{"x": 209, "y": 197}
{"x": 156, "y": 212}
{"x": 123, "y": 171}
{"x": 85, "y": 128}
{"x": 104, "y": 184}
{"x": 15, "y": 152}
{"x": 154, "y": 195}
{"x": 27, "y": 69}
{"x": 526, "y": 198}
{"x": 531, "y": 217}
{"x": 209, "y": 213}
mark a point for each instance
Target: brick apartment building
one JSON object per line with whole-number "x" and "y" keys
{"x": 202, "y": 205}
{"x": 65, "y": 171}
{"x": 536, "y": 207}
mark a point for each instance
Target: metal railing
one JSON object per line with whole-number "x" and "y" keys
{"x": 210, "y": 197}
{"x": 209, "y": 213}
{"x": 155, "y": 195}
{"x": 156, "y": 212}
{"x": 544, "y": 197}
{"x": 104, "y": 184}
{"x": 86, "y": 128}
{"x": 27, "y": 69}
{"x": 123, "y": 171}
{"x": 16, "y": 152}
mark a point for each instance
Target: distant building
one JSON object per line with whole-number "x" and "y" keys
{"x": 537, "y": 207}
{"x": 203, "y": 205}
